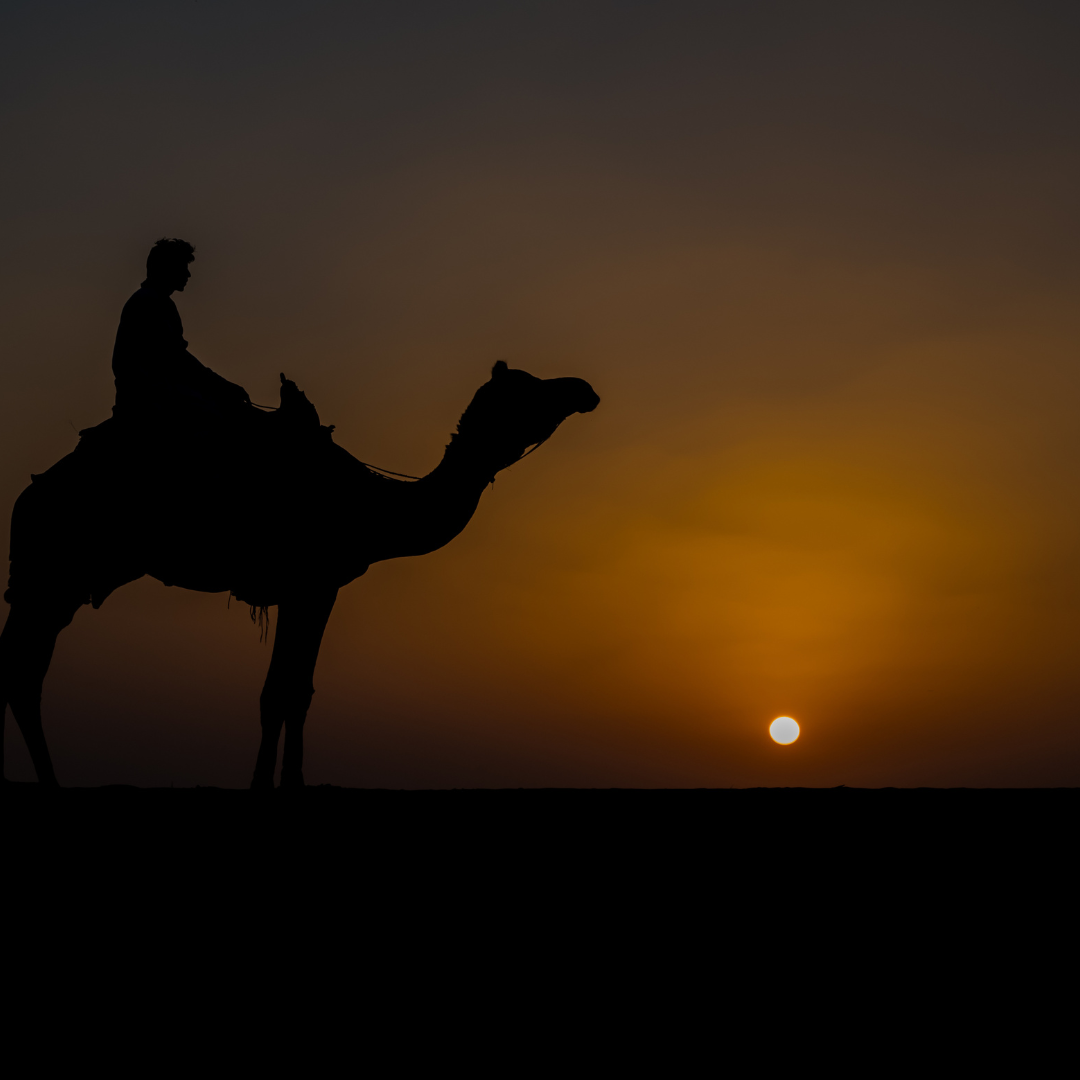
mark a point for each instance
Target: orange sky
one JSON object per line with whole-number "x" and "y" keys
{"x": 818, "y": 261}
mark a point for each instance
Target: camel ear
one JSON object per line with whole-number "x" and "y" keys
{"x": 500, "y": 368}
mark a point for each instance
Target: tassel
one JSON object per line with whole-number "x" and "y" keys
{"x": 260, "y": 615}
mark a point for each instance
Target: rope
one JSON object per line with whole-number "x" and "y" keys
{"x": 407, "y": 476}
{"x": 402, "y": 475}
{"x": 388, "y": 472}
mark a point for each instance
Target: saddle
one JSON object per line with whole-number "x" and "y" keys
{"x": 205, "y": 448}
{"x": 150, "y": 495}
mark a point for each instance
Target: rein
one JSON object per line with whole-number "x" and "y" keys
{"x": 408, "y": 476}
{"x": 389, "y": 472}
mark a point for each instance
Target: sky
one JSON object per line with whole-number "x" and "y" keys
{"x": 819, "y": 261}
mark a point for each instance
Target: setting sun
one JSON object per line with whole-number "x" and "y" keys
{"x": 784, "y": 730}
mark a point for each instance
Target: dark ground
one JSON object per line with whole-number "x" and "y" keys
{"x": 748, "y": 899}
{"x": 340, "y": 835}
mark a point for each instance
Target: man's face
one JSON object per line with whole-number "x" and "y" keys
{"x": 179, "y": 278}
{"x": 171, "y": 277}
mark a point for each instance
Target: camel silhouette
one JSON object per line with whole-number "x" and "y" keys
{"x": 283, "y": 517}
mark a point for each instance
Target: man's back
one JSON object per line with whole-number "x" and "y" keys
{"x": 155, "y": 374}
{"x": 150, "y": 361}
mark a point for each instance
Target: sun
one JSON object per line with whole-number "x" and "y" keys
{"x": 784, "y": 730}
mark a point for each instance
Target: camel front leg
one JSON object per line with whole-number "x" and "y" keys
{"x": 289, "y": 685}
{"x": 26, "y": 650}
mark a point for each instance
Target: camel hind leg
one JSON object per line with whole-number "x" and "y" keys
{"x": 26, "y": 650}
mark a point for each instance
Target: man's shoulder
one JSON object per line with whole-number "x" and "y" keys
{"x": 146, "y": 295}
{"x": 149, "y": 301}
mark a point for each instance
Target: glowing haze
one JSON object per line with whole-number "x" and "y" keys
{"x": 819, "y": 261}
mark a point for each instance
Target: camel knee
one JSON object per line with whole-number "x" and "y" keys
{"x": 29, "y": 637}
{"x": 25, "y": 702}
{"x": 283, "y": 703}
{"x": 22, "y": 682}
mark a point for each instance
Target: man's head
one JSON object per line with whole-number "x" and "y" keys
{"x": 167, "y": 264}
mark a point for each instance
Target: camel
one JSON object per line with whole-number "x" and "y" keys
{"x": 287, "y": 520}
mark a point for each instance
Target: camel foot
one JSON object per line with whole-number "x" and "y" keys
{"x": 293, "y": 778}
{"x": 262, "y": 783}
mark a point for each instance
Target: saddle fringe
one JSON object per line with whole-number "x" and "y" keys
{"x": 260, "y": 616}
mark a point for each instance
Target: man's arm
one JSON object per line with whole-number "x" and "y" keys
{"x": 152, "y": 363}
{"x": 220, "y": 389}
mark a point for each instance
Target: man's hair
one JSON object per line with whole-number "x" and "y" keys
{"x": 168, "y": 253}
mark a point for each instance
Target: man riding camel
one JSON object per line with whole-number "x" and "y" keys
{"x": 156, "y": 377}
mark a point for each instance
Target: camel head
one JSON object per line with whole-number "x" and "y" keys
{"x": 514, "y": 411}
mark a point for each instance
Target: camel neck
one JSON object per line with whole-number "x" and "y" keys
{"x": 466, "y": 464}
{"x": 431, "y": 511}
{"x": 428, "y": 513}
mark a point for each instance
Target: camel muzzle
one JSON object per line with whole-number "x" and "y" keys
{"x": 577, "y": 395}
